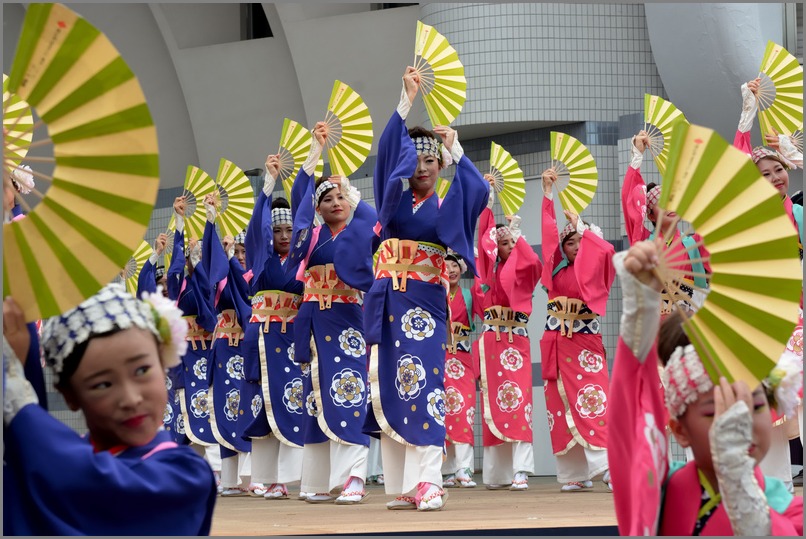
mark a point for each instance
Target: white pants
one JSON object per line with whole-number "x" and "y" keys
{"x": 275, "y": 462}
{"x": 210, "y": 453}
{"x": 374, "y": 460}
{"x": 460, "y": 456}
{"x": 580, "y": 464}
{"x": 405, "y": 466}
{"x": 502, "y": 462}
{"x": 327, "y": 466}
{"x": 777, "y": 462}
{"x": 236, "y": 471}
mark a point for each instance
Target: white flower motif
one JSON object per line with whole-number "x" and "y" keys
{"x": 591, "y": 401}
{"x": 257, "y": 405}
{"x": 310, "y": 405}
{"x": 454, "y": 369}
{"x": 290, "y": 351}
{"x": 168, "y": 414}
{"x": 168, "y": 383}
{"x": 199, "y": 404}
{"x": 471, "y": 415}
{"x": 453, "y": 401}
{"x": 418, "y": 324}
{"x": 232, "y": 405}
{"x": 352, "y": 343}
{"x": 347, "y": 389}
{"x": 551, "y": 420}
{"x": 436, "y": 406}
{"x": 179, "y": 427}
{"x": 200, "y": 368}
{"x": 590, "y": 362}
{"x": 527, "y": 412}
{"x": 235, "y": 368}
{"x": 293, "y": 396}
{"x": 509, "y": 397}
{"x": 511, "y": 359}
{"x": 306, "y": 369}
{"x": 410, "y": 377}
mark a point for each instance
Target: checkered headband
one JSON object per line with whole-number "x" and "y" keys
{"x": 427, "y": 146}
{"x": 281, "y": 216}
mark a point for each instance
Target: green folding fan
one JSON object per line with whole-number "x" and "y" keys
{"x": 577, "y": 176}
{"x": 442, "y": 75}
{"x": 198, "y": 184}
{"x": 105, "y": 166}
{"x": 295, "y": 144}
{"x": 780, "y": 93}
{"x": 349, "y": 125}
{"x": 660, "y": 116}
{"x": 132, "y": 269}
{"x": 18, "y": 121}
{"x": 755, "y": 285}
{"x": 235, "y": 198}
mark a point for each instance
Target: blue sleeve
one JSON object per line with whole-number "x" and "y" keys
{"x": 259, "y": 235}
{"x": 396, "y": 161}
{"x": 214, "y": 259}
{"x": 57, "y": 485}
{"x": 204, "y": 294}
{"x": 356, "y": 247}
{"x": 461, "y": 208}
{"x": 176, "y": 271}
{"x": 302, "y": 209}
{"x": 146, "y": 282}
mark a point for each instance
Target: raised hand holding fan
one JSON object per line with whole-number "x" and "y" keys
{"x": 349, "y": 135}
{"x": 442, "y": 75}
{"x": 197, "y": 184}
{"x": 660, "y": 117}
{"x": 235, "y": 198}
{"x": 577, "y": 175}
{"x": 780, "y": 92}
{"x": 509, "y": 185}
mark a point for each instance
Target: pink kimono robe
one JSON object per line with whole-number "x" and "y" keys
{"x": 573, "y": 356}
{"x": 504, "y": 355}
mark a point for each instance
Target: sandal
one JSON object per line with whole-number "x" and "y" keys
{"x": 234, "y": 492}
{"x": 433, "y": 501}
{"x": 351, "y": 497}
{"x": 449, "y": 481}
{"x": 464, "y": 478}
{"x": 277, "y": 491}
{"x": 402, "y": 503}
{"x": 319, "y": 497}
{"x": 606, "y": 480}
{"x": 576, "y": 486}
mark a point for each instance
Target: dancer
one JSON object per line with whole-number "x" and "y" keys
{"x": 578, "y": 275}
{"x": 406, "y": 308}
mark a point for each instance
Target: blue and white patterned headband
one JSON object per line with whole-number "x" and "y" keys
{"x": 241, "y": 238}
{"x": 427, "y": 146}
{"x": 281, "y": 216}
{"x": 323, "y": 188}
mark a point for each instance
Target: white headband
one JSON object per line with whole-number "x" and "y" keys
{"x": 684, "y": 379}
{"x": 427, "y": 145}
{"x": 113, "y": 307}
{"x": 241, "y": 238}
{"x": 281, "y": 216}
{"x": 459, "y": 260}
{"x": 323, "y": 188}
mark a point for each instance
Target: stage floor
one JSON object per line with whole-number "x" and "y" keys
{"x": 543, "y": 509}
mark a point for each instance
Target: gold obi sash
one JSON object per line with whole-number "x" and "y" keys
{"x": 228, "y": 327}
{"x": 323, "y": 285}
{"x": 274, "y": 306}
{"x": 565, "y": 309}
{"x": 498, "y": 318}
{"x": 410, "y": 259}
{"x": 196, "y": 333}
{"x": 459, "y": 338}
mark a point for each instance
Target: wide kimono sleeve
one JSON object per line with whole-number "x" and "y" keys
{"x": 477, "y": 293}
{"x": 594, "y": 271}
{"x": 742, "y": 142}
{"x": 176, "y": 270}
{"x": 214, "y": 259}
{"x": 55, "y": 484}
{"x": 633, "y": 205}
{"x": 146, "y": 281}
{"x": 356, "y": 246}
{"x": 303, "y": 210}
{"x": 550, "y": 244}
{"x": 33, "y": 366}
{"x": 520, "y": 275}
{"x": 259, "y": 235}
{"x": 460, "y": 210}
{"x": 488, "y": 248}
{"x": 396, "y": 162}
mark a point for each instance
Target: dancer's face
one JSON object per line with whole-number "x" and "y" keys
{"x": 425, "y": 175}
{"x": 282, "y": 238}
{"x": 775, "y": 173}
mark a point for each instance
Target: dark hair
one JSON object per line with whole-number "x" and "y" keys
{"x": 280, "y": 202}
{"x": 499, "y": 225}
{"x": 671, "y": 335}
{"x": 420, "y": 131}
{"x": 316, "y": 186}
{"x": 453, "y": 257}
{"x": 649, "y": 187}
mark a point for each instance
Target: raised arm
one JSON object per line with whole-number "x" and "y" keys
{"x": 550, "y": 234}
{"x": 594, "y": 268}
{"x": 176, "y": 269}
{"x": 633, "y": 191}
{"x": 146, "y": 281}
{"x": 259, "y": 231}
{"x": 749, "y": 110}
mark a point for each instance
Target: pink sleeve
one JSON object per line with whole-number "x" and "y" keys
{"x": 791, "y": 521}
{"x": 636, "y": 447}
{"x": 594, "y": 271}
{"x": 633, "y": 204}
{"x": 478, "y": 300}
{"x": 520, "y": 275}
{"x": 550, "y": 243}
{"x": 742, "y": 141}
{"x": 488, "y": 248}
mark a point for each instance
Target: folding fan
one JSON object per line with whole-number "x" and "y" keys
{"x": 349, "y": 137}
{"x": 577, "y": 176}
{"x": 197, "y": 184}
{"x": 780, "y": 93}
{"x": 19, "y": 121}
{"x": 131, "y": 271}
{"x": 295, "y": 144}
{"x": 509, "y": 183}
{"x": 105, "y": 164}
{"x": 442, "y": 75}
{"x": 797, "y": 139}
{"x": 169, "y": 245}
{"x": 659, "y": 119}
{"x": 236, "y": 198}
{"x": 755, "y": 285}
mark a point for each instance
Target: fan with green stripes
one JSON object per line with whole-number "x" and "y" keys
{"x": 132, "y": 269}
{"x": 18, "y": 121}
{"x": 660, "y": 116}
{"x": 295, "y": 145}
{"x": 442, "y": 75}
{"x": 105, "y": 165}
{"x": 235, "y": 198}
{"x": 577, "y": 176}
{"x": 780, "y": 92}
{"x": 349, "y": 130}
{"x": 752, "y": 304}
{"x": 197, "y": 184}
{"x": 509, "y": 183}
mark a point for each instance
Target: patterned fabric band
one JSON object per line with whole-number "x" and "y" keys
{"x": 503, "y": 319}
{"x": 427, "y": 146}
{"x": 762, "y": 152}
{"x": 323, "y": 285}
{"x": 567, "y": 231}
{"x": 460, "y": 338}
{"x": 274, "y": 306}
{"x": 502, "y": 232}
{"x": 684, "y": 378}
{"x": 652, "y": 197}
{"x": 569, "y": 316}
{"x": 409, "y": 259}
{"x": 241, "y": 238}
{"x": 281, "y": 216}
{"x": 228, "y": 327}
{"x": 323, "y": 188}
{"x": 196, "y": 333}
{"x": 669, "y": 302}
